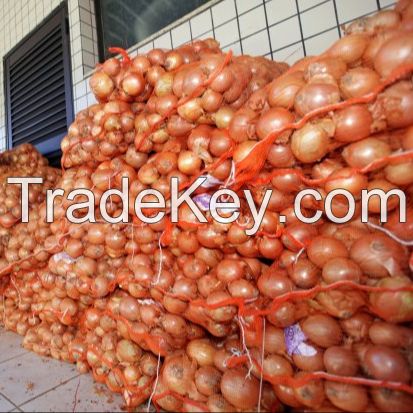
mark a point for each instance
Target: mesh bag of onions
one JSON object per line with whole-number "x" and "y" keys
{"x": 22, "y": 161}
{"x": 202, "y": 316}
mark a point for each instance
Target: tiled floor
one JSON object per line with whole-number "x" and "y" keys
{"x": 32, "y": 383}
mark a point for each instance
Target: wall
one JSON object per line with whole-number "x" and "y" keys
{"x": 284, "y": 30}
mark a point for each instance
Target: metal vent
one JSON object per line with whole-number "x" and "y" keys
{"x": 38, "y": 86}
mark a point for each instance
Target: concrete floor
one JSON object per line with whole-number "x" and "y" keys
{"x": 30, "y": 383}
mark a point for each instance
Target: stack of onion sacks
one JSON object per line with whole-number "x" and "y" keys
{"x": 172, "y": 114}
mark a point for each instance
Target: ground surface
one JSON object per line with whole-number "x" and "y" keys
{"x": 32, "y": 383}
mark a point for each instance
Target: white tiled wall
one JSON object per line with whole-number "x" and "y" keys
{"x": 284, "y": 30}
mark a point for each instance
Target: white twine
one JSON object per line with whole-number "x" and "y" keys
{"x": 298, "y": 255}
{"x": 245, "y": 348}
{"x": 390, "y": 234}
{"x": 148, "y": 407}
{"x": 158, "y": 276}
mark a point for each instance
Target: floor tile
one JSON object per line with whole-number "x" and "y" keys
{"x": 10, "y": 345}
{"x": 25, "y": 377}
{"x": 5, "y": 405}
{"x": 90, "y": 397}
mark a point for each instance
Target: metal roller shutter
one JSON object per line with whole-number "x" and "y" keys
{"x": 38, "y": 86}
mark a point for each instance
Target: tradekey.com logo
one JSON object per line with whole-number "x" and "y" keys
{"x": 224, "y": 205}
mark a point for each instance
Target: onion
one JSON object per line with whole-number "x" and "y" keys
{"x": 338, "y": 269}
{"x": 193, "y": 80}
{"x": 348, "y": 397}
{"x": 310, "y": 143}
{"x": 133, "y": 84}
{"x": 111, "y": 67}
{"x": 323, "y": 249}
{"x": 391, "y": 335}
{"x": 315, "y": 95}
{"x": 132, "y": 374}
{"x": 282, "y": 91}
{"x": 394, "y": 53}
{"x": 141, "y": 64}
{"x": 239, "y": 390}
{"x": 394, "y": 307}
{"x": 274, "y": 283}
{"x": 391, "y": 401}
{"x": 286, "y": 395}
{"x": 223, "y": 313}
{"x": 360, "y": 154}
{"x": 334, "y": 67}
{"x": 178, "y": 373}
{"x": 207, "y": 380}
{"x": 310, "y": 394}
{"x": 353, "y": 123}
{"x": 400, "y": 173}
{"x": 378, "y": 255}
{"x": 280, "y": 156}
{"x": 310, "y": 361}
{"x": 156, "y": 56}
{"x": 173, "y": 60}
{"x": 202, "y": 351}
{"x": 223, "y": 80}
{"x": 349, "y": 48}
{"x": 223, "y": 117}
{"x": 397, "y": 104}
{"x": 127, "y": 351}
{"x": 211, "y": 101}
{"x": 272, "y": 121}
{"x": 358, "y": 82}
{"x": 129, "y": 308}
{"x": 217, "y": 403}
{"x": 305, "y": 274}
{"x": 241, "y": 127}
{"x": 101, "y": 84}
{"x": 348, "y": 179}
{"x": 322, "y": 330}
{"x": 340, "y": 361}
{"x": 385, "y": 363}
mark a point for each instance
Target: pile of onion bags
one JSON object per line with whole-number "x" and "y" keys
{"x": 204, "y": 317}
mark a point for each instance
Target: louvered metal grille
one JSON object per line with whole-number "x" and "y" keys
{"x": 38, "y": 86}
